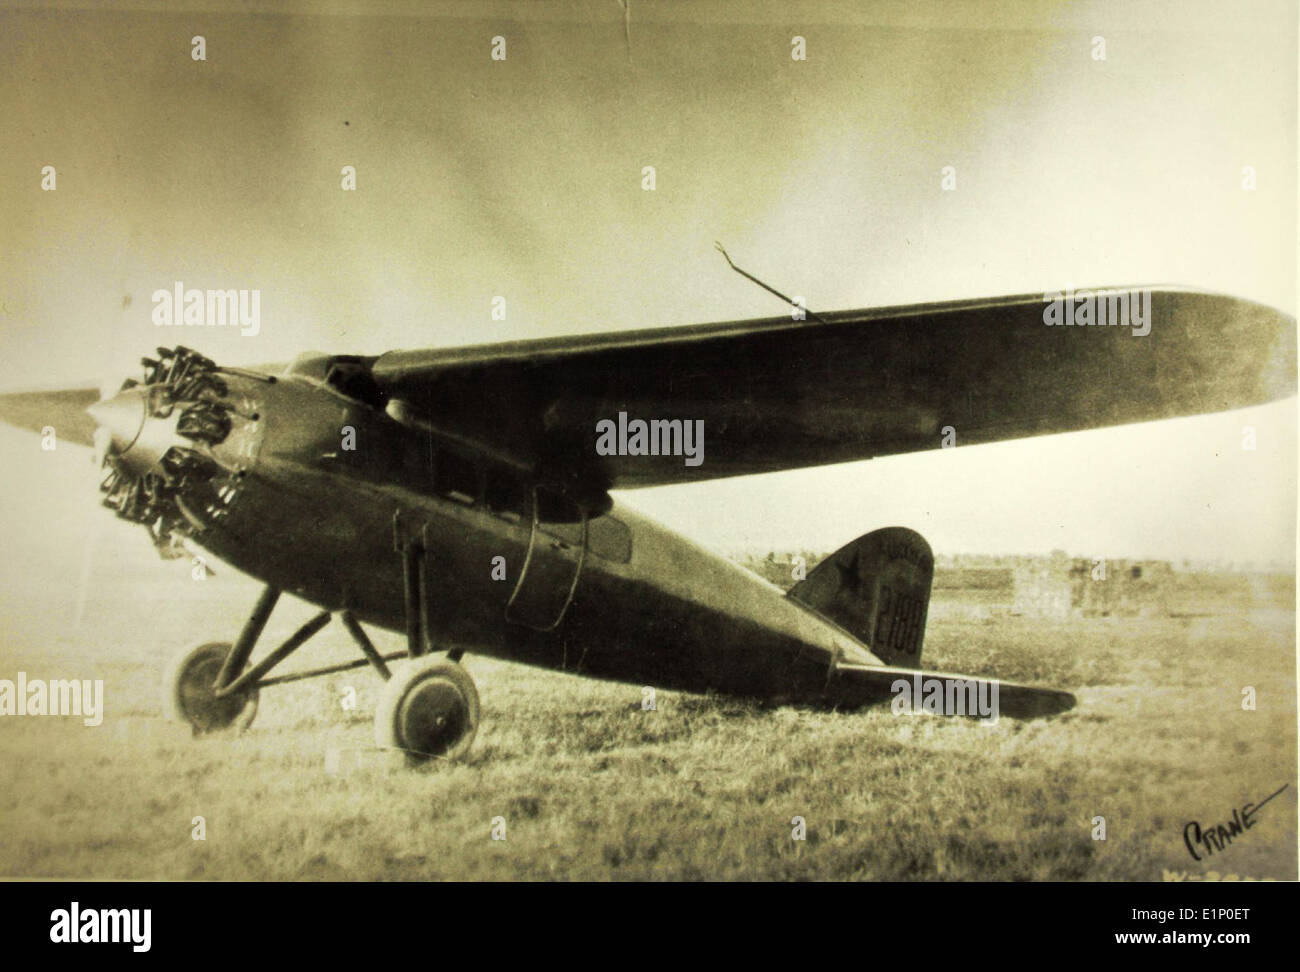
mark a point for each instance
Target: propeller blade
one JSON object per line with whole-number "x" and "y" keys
{"x": 63, "y": 409}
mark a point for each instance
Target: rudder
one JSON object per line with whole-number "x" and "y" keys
{"x": 878, "y": 589}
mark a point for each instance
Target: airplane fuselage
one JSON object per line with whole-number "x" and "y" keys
{"x": 330, "y": 489}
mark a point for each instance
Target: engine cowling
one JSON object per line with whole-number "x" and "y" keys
{"x": 175, "y": 445}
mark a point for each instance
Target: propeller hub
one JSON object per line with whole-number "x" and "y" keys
{"x": 122, "y": 417}
{"x": 139, "y": 433}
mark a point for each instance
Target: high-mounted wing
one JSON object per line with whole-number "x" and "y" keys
{"x": 778, "y": 394}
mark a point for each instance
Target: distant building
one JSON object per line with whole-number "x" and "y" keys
{"x": 982, "y": 586}
{"x": 1091, "y": 589}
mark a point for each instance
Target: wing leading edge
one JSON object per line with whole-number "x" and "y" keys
{"x": 778, "y": 394}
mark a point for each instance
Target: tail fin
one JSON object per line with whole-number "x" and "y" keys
{"x": 878, "y": 589}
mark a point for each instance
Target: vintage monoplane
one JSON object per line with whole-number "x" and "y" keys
{"x": 462, "y": 495}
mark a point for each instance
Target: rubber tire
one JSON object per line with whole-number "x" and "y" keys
{"x": 421, "y": 691}
{"x": 184, "y": 700}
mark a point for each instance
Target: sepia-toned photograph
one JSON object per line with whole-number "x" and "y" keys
{"x": 616, "y": 441}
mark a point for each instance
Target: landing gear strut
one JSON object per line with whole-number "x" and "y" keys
{"x": 429, "y": 707}
{"x": 191, "y": 695}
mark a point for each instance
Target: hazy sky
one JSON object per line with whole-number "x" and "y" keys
{"x": 523, "y": 178}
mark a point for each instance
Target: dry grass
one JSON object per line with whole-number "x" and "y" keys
{"x": 592, "y": 787}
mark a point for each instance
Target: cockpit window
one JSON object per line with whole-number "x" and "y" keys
{"x": 347, "y": 374}
{"x": 353, "y": 379}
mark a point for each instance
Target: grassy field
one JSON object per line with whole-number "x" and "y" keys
{"x": 592, "y": 787}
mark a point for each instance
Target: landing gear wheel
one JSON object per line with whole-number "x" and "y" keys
{"x": 190, "y": 697}
{"x": 429, "y": 709}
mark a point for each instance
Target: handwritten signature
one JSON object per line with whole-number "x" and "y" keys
{"x": 1219, "y": 836}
